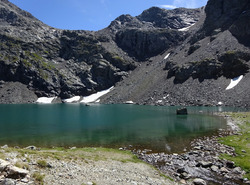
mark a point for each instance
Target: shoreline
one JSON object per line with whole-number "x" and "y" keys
{"x": 206, "y": 160}
{"x": 202, "y": 164}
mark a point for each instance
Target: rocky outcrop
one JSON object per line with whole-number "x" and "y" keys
{"x": 230, "y": 65}
{"x": 171, "y": 19}
{"x": 144, "y": 44}
{"x": 9, "y": 173}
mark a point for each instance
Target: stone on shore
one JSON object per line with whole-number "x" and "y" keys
{"x": 3, "y": 165}
{"x": 16, "y": 173}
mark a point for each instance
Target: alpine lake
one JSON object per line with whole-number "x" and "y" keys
{"x": 157, "y": 128}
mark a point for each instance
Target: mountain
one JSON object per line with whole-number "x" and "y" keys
{"x": 199, "y": 70}
{"x": 43, "y": 61}
{"x": 166, "y": 57}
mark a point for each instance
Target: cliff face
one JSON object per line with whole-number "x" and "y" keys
{"x": 181, "y": 56}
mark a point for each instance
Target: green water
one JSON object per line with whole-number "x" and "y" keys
{"x": 67, "y": 125}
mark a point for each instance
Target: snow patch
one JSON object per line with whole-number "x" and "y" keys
{"x": 45, "y": 100}
{"x": 129, "y": 102}
{"x": 220, "y": 103}
{"x": 73, "y": 99}
{"x": 186, "y": 28}
{"x": 97, "y": 101}
{"x": 166, "y": 56}
{"x": 234, "y": 82}
{"x": 94, "y": 97}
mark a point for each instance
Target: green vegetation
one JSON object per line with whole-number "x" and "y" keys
{"x": 22, "y": 165}
{"x": 86, "y": 154}
{"x": 42, "y": 163}
{"x": 118, "y": 59}
{"x": 26, "y": 63}
{"x": 240, "y": 142}
{"x": 39, "y": 178}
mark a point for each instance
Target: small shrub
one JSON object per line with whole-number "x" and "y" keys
{"x": 42, "y": 163}
{"x": 38, "y": 177}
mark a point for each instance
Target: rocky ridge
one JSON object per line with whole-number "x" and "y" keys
{"x": 64, "y": 63}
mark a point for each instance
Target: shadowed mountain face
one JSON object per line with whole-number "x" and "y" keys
{"x": 206, "y": 46}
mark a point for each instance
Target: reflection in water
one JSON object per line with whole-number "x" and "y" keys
{"x": 157, "y": 128}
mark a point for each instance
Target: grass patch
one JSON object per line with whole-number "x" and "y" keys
{"x": 42, "y": 163}
{"x": 22, "y": 165}
{"x": 38, "y": 177}
{"x": 240, "y": 142}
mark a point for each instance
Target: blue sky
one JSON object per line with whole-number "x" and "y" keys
{"x": 93, "y": 14}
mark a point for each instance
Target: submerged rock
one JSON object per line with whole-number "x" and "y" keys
{"x": 182, "y": 111}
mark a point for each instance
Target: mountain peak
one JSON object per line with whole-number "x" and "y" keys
{"x": 172, "y": 19}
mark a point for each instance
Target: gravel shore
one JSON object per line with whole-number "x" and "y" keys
{"x": 77, "y": 166}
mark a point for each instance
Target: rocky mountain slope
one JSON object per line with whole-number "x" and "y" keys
{"x": 180, "y": 56}
{"x": 198, "y": 71}
{"x": 44, "y": 61}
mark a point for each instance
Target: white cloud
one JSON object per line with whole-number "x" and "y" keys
{"x": 185, "y": 3}
{"x": 168, "y": 6}
{"x": 182, "y": 3}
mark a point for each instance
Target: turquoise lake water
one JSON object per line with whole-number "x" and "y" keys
{"x": 68, "y": 125}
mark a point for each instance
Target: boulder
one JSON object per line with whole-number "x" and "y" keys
{"x": 8, "y": 182}
{"x": 204, "y": 164}
{"x": 214, "y": 168}
{"x": 3, "y": 165}
{"x": 182, "y": 111}
{"x": 31, "y": 148}
{"x": 199, "y": 182}
{"x": 15, "y": 172}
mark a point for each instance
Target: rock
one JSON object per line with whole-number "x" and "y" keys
{"x": 198, "y": 181}
{"x": 181, "y": 170}
{"x": 224, "y": 170}
{"x": 3, "y": 165}
{"x": 8, "y": 182}
{"x": 243, "y": 151}
{"x": 214, "y": 168}
{"x": 182, "y": 111}
{"x": 237, "y": 170}
{"x": 31, "y": 148}
{"x": 25, "y": 180}
{"x": 198, "y": 147}
{"x": 15, "y": 172}
{"x": 230, "y": 164}
{"x": 185, "y": 175}
{"x": 204, "y": 164}
{"x": 182, "y": 181}
{"x": 4, "y": 147}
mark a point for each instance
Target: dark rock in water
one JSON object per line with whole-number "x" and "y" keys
{"x": 182, "y": 111}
